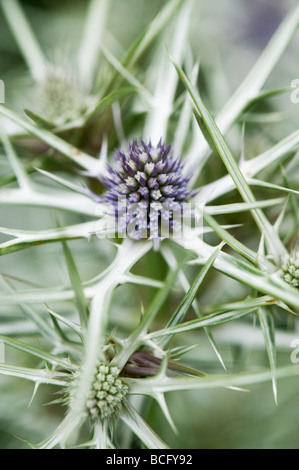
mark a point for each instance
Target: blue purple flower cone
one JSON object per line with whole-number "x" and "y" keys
{"x": 146, "y": 186}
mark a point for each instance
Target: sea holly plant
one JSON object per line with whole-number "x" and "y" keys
{"x": 166, "y": 241}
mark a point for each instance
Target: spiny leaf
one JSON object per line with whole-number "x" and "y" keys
{"x": 186, "y": 302}
{"x": 170, "y": 258}
{"x": 142, "y": 430}
{"x": 56, "y": 318}
{"x": 77, "y": 285}
{"x": 209, "y": 320}
{"x": 145, "y": 39}
{"x": 275, "y": 245}
{"x": 38, "y": 120}
{"x": 172, "y": 384}
{"x": 36, "y": 375}
{"x": 108, "y": 100}
{"x": 25, "y": 38}
{"x": 267, "y": 325}
{"x": 264, "y": 95}
{"x": 52, "y": 359}
{"x": 133, "y": 341}
{"x": 235, "y": 244}
{"x": 81, "y": 158}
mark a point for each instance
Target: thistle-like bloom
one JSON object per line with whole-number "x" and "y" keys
{"x": 59, "y": 96}
{"x": 106, "y": 398}
{"x": 147, "y": 188}
{"x": 290, "y": 268}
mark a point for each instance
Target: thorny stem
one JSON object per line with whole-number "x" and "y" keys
{"x": 128, "y": 253}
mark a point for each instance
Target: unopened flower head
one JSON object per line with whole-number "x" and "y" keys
{"x": 106, "y": 398}
{"x": 152, "y": 186}
{"x": 290, "y": 268}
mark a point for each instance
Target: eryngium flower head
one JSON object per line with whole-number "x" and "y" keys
{"x": 106, "y": 398}
{"x": 146, "y": 187}
{"x": 59, "y": 96}
{"x": 290, "y": 268}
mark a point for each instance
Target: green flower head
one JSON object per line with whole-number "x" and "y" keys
{"x": 290, "y": 268}
{"x": 106, "y": 398}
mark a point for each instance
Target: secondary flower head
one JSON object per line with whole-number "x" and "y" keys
{"x": 290, "y": 268}
{"x": 146, "y": 186}
{"x": 106, "y": 398}
{"x": 60, "y": 97}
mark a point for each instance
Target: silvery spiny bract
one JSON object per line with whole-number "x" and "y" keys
{"x": 146, "y": 186}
